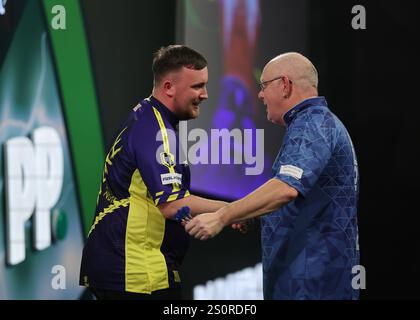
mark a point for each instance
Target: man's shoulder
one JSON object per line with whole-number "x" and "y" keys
{"x": 316, "y": 111}
{"x": 319, "y": 117}
{"x": 315, "y": 122}
{"x": 142, "y": 109}
{"x": 143, "y": 118}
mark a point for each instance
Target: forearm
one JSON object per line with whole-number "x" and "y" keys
{"x": 267, "y": 198}
{"x": 201, "y": 205}
{"x": 196, "y": 204}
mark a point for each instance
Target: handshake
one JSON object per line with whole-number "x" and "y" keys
{"x": 207, "y": 225}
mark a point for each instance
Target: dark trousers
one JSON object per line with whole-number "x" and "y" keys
{"x": 165, "y": 294}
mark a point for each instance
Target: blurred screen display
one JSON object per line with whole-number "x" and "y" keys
{"x": 235, "y": 154}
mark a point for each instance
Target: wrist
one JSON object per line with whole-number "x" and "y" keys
{"x": 223, "y": 216}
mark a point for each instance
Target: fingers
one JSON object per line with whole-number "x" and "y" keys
{"x": 200, "y": 234}
{"x": 192, "y": 228}
{"x": 196, "y": 230}
{"x": 202, "y": 237}
{"x": 190, "y": 225}
{"x": 241, "y": 226}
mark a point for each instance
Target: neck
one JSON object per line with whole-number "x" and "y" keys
{"x": 167, "y": 101}
{"x": 295, "y": 100}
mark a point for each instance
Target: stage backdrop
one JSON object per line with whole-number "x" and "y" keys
{"x": 50, "y": 137}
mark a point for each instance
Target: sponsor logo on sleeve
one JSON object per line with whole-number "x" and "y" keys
{"x": 292, "y": 171}
{"x": 137, "y": 107}
{"x": 169, "y": 178}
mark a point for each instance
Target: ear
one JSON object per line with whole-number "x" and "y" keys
{"x": 169, "y": 88}
{"x": 287, "y": 87}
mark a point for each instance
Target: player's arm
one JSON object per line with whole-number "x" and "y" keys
{"x": 196, "y": 204}
{"x": 267, "y": 198}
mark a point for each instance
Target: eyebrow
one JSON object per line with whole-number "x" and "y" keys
{"x": 198, "y": 84}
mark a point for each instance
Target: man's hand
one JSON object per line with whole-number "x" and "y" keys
{"x": 204, "y": 226}
{"x": 242, "y": 226}
{"x": 245, "y": 225}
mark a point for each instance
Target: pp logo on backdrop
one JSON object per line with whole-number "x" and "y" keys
{"x": 34, "y": 178}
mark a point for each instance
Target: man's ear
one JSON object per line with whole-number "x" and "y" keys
{"x": 169, "y": 88}
{"x": 287, "y": 87}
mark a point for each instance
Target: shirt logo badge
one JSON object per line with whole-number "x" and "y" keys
{"x": 170, "y": 178}
{"x": 292, "y": 171}
{"x": 167, "y": 159}
{"x": 137, "y": 107}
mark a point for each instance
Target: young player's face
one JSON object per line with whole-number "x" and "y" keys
{"x": 190, "y": 91}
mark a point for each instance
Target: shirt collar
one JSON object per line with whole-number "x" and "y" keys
{"x": 291, "y": 114}
{"x": 168, "y": 114}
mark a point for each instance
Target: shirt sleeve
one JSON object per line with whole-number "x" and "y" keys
{"x": 164, "y": 179}
{"x": 305, "y": 153}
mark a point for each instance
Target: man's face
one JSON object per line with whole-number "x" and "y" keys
{"x": 271, "y": 93}
{"x": 190, "y": 91}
